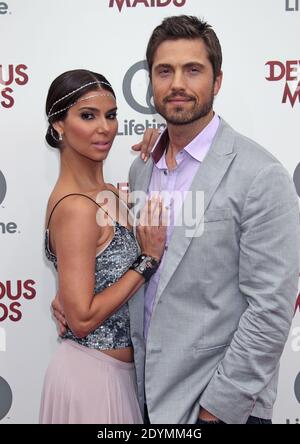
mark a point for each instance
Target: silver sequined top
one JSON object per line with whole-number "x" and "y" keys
{"x": 110, "y": 265}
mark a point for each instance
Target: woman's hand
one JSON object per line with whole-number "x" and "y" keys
{"x": 146, "y": 145}
{"x": 59, "y": 316}
{"x": 151, "y": 231}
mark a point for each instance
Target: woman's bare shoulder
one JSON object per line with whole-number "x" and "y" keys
{"x": 63, "y": 204}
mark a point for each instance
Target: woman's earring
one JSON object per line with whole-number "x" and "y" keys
{"x": 60, "y": 137}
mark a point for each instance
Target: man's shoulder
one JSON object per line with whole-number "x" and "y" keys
{"x": 138, "y": 163}
{"x": 248, "y": 151}
{"x": 138, "y": 167}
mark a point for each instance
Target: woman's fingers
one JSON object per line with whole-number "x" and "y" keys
{"x": 154, "y": 213}
{"x": 137, "y": 146}
{"x": 62, "y": 329}
{"x": 146, "y": 145}
{"x": 58, "y": 311}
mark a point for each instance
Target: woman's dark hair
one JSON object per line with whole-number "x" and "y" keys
{"x": 65, "y": 86}
{"x": 186, "y": 27}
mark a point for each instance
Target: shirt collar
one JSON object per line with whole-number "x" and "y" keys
{"x": 197, "y": 148}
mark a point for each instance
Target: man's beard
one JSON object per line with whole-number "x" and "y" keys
{"x": 179, "y": 115}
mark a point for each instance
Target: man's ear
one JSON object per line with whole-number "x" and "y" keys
{"x": 218, "y": 83}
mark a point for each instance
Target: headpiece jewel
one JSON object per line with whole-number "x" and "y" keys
{"x": 98, "y": 82}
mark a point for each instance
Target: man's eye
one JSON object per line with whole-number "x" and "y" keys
{"x": 164, "y": 71}
{"x": 87, "y": 116}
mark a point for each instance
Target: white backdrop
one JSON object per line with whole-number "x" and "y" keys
{"x": 39, "y": 39}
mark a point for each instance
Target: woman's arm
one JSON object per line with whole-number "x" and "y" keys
{"x": 75, "y": 235}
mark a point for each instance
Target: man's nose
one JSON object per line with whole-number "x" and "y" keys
{"x": 178, "y": 82}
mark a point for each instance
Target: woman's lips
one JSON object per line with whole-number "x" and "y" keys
{"x": 102, "y": 145}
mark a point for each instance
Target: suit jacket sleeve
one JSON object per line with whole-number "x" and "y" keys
{"x": 268, "y": 279}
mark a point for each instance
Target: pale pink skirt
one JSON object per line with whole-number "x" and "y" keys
{"x": 86, "y": 386}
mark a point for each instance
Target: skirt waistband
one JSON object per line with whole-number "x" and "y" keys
{"x": 100, "y": 355}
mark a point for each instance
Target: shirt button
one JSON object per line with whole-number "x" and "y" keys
{"x": 165, "y": 172}
{"x": 166, "y": 247}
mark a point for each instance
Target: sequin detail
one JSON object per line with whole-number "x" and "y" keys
{"x": 110, "y": 265}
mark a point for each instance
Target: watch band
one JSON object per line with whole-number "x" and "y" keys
{"x": 145, "y": 265}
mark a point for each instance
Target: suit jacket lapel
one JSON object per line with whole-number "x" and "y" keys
{"x": 136, "y": 303}
{"x": 207, "y": 179}
{"x": 141, "y": 186}
{"x": 142, "y": 181}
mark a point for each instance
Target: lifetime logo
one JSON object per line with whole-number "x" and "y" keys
{"x": 146, "y": 3}
{"x": 292, "y": 5}
{"x": 130, "y": 87}
{"x": 3, "y": 187}
{"x": 6, "y": 398}
{"x": 4, "y": 8}
{"x": 5, "y": 227}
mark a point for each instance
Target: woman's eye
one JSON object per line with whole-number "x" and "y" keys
{"x": 112, "y": 116}
{"x": 87, "y": 116}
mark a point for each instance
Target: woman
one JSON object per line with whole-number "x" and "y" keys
{"x": 91, "y": 377}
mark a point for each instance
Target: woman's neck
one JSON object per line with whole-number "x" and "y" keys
{"x": 81, "y": 172}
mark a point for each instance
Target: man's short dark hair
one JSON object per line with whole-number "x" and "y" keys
{"x": 186, "y": 27}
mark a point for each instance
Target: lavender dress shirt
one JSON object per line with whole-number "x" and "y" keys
{"x": 173, "y": 185}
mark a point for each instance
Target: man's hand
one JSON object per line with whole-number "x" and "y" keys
{"x": 146, "y": 145}
{"x": 206, "y": 416}
{"x": 59, "y": 316}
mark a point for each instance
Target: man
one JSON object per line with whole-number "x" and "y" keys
{"x": 217, "y": 313}
{"x": 219, "y": 309}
